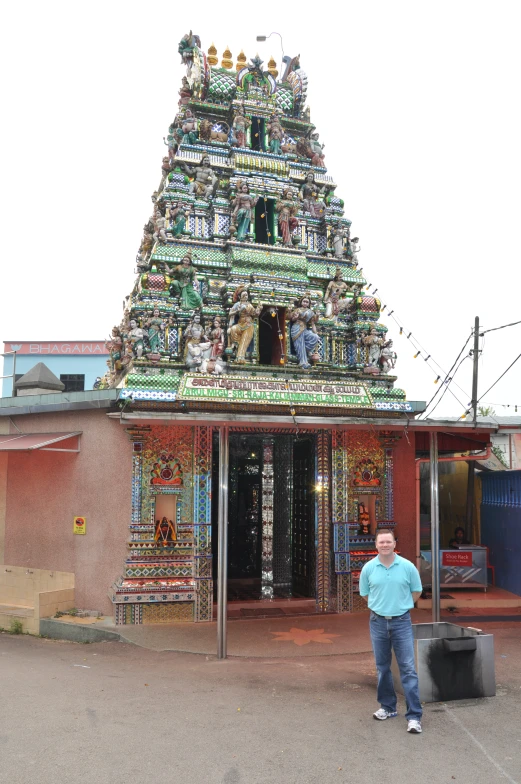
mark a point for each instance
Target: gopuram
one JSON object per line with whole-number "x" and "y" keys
{"x": 250, "y": 308}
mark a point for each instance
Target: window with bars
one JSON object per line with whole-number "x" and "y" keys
{"x": 74, "y": 382}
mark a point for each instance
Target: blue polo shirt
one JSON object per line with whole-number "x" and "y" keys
{"x": 389, "y": 588}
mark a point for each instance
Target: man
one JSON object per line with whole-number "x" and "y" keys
{"x": 391, "y": 585}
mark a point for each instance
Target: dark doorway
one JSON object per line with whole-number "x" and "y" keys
{"x": 258, "y": 132}
{"x": 271, "y": 528}
{"x": 272, "y": 340}
{"x": 265, "y": 221}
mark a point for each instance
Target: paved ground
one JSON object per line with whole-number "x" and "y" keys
{"x": 114, "y": 712}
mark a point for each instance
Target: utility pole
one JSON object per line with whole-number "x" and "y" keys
{"x": 474, "y": 405}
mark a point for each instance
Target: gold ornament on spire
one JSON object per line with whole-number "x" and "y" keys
{"x": 241, "y": 61}
{"x": 212, "y": 52}
{"x": 272, "y": 67}
{"x": 227, "y": 61}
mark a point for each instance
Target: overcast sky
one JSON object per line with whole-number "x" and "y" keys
{"x": 416, "y": 102}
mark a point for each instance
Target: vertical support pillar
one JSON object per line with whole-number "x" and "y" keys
{"x": 435, "y": 527}
{"x": 323, "y": 521}
{"x": 267, "y": 518}
{"x": 222, "y": 552}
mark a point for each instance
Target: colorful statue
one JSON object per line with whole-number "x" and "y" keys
{"x": 165, "y": 532}
{"x": 243, "y": 206}
{"x": 239, "y": 128}
{"x": 194, "y": 333}
{"x": 155, "y": 326}
{"x": 195, "y": 356}
{"x": 185, "y": 92}
{"x": 353, "y": 250}
{"x": 114, "y": 346}
{"x": 205, "y": 181}
{"x": 135, "y": 338}
{"x": 216, "y": 337}
{"x": 172, "y": 140}
{"x": 334, "y": 298}
{"x": 159, "y": 227}
{"x": 338, "y": 234}
{"x": 304, "y": 332}
{"x": 185, "y": 275}
{"x": 387, "y": 360}
{"x": 189, "y": 128}
{"x": 287, "y": 208}
{"x": 186, "y": 47}
{"x": 275, "y": 134}
{"x": 317, "y": 156}
{"x": 177, "y": 213}
{"x": 241, "y": 333}
{"x": 364, "y": 520}
{"x": 374, "y": 344}
{"x": 308, "y": 194}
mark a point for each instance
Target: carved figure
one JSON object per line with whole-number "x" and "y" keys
{"x": 275, "y": 134}
{"x": 363, "y": 519}
{"x": 159, "y": 227}
{"x": 155, "y": 325}
{"x": 165, "y": 531}
{"x": 194, "y": 333}
{"x": 135, "y": 337}
{"x": 387, "y": 360}
{"x": 205, "y": 181}
{"x": 177, "y": 213}
{"x": 304, "y": 332}
{"x": 317, "y": 155}
{"x": 241, "y": 333}
{"x": 215, "y": 366}
{"x": 195, "y": 356}
{"x": 374, "y": 343}
{"x": 353, "y": 250}
{"x": 338, "y": 234}
{"x": 333, "y": 298}
{"x": 239, "y": 128}
{"x": 186, "y": 47}
{"x": 308, "y": 194}
{"x": 172, "y": 140}
{"x": 185, "y": 275}
{"x": 189, "y": 128}
{"x": 185, "y": 92}
{"x": 216, "y": 336}
{"x": 287, "y": 208}
{"x": 243, "y": 206}
{"x": 114, "y": 346}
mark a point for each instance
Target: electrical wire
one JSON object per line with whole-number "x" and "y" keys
{"x": 504, "y": 326}
{"x": 447, "y": 389}
{"x": 447, "y": 376}
{"x": 499, "y": 379}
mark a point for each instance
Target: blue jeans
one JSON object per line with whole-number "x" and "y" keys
{"x": 395, "y": 635}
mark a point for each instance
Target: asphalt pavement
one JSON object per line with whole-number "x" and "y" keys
{"x": 117, "y": 713}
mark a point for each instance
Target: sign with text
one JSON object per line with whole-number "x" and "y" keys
{"x": 80, "y": 525}
{"x": 237, "y": 389}
{"x": 60, "y": 347}
{"x": 456, "y": 558}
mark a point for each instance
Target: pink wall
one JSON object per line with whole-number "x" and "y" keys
{"x": 405, "y": 496}
{"x": 46, "y": 490}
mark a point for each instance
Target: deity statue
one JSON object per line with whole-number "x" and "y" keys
{"x": 304, "y": 332}
{"x": 240, "y": 125}
{"x": 177, "y": 213}
{"x": 189, "y": 128}
{"x": 334, "y": 298}
{"x": 185, "y": 92}
{"x": 216, "y": 337}
{"x": 159, "y": 227}
{"x": 185, "y": 275}
{"x": 165, "y": 532}
{"x": 364, "y": 520}
{"x": 374, "y": 343}
{"x": 339, "y": 233}
{"x": 308, "y": 194}
{"x": 186, "y": 47}
{"x": 194, "y": 333}
{"x": 172, "y": 140}
{"x": 114, "y": 346}
{"x": 243, "y": 206}
{"x": 287, "y": 208}
{"x": 215, "y": 366}
{"x": 205, "y": 181}
{"x": 155, "y": 325}
{"x": 353, "y": 250}
{"x": 147, "y": 243}
{"x": 195, "y": 358}
{"x": 387, "y": 360}
{"x": 317, "y": 156}
{"x": 275, "y": 133}
{"x": 241, "y": 333}
{"x": 135, "y": 339}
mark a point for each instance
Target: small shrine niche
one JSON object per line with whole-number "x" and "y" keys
{"x": 258, "y": 133}
{"x": 265, "y": 221}
{"x": 366, "y": 509}
{"x": 271, "y": 336}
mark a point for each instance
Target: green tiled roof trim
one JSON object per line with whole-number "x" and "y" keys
{"x": 149, "y": 381}
{"x": 387, "y": 394}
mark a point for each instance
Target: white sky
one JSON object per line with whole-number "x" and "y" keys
{"x": 417, "y": 103}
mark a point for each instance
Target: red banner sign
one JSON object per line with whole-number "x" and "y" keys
{"x": 59, "y": 347}
{"x": 456, "y": 558}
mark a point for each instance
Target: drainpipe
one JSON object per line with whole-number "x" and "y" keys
{"x": 454, "y": 459}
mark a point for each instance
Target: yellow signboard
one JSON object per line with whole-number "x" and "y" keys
{"x": 80, "y": 525}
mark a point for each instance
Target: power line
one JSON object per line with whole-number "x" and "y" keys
{"x": 504, "y": 326}
{"x": 447, "y": 376}
{"x": 447, "y": 389}
{"x": 500, "y": 377}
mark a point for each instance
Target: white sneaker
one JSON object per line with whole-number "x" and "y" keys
{"x": 414, "y": 726}
{"x": 381, "y": 714}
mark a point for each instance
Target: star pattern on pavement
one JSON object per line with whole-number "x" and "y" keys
{"x": 304, "y": 636}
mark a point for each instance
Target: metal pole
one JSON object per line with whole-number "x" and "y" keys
{"x": 471, "y": 466}
{"x": 14, "y": 374}
{"x": 222, "y": 551}
{"x": 435, "y": 527}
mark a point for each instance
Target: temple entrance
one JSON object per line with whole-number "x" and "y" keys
{"x": 271, "y": 517}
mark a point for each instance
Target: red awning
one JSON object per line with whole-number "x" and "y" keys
{"x": 27, "y": 442}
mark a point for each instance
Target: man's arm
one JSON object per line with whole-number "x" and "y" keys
{"x": 416, "y": 595}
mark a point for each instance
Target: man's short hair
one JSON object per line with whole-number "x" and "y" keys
{"x": 380, "y": 531}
